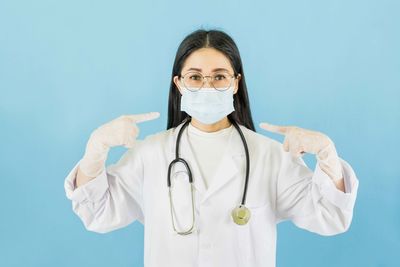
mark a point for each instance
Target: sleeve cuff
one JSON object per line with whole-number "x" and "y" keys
{"x": 344, "y": 200}
{"x": 91, "y": 191}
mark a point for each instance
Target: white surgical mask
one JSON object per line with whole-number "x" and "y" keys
{"x": 207, "y": 105}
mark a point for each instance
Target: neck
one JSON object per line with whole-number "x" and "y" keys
{"x": 219, "y": 125}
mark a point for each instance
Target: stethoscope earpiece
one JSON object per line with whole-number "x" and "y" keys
{"x": 241, "y": 215}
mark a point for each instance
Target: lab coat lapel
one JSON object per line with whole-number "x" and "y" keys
{"x": 228, "y": 168}
{"x": 226, "y": 171}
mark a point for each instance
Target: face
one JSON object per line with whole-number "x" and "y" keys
{"x": 206, "y": 61}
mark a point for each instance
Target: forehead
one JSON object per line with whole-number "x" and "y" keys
{"x": 207, "y": 59}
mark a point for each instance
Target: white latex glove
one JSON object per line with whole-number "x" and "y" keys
{"x": 121, "y": 131}
{"x": 299, "y": 141}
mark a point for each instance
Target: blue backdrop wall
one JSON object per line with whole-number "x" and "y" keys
{"x": 67, "y": 67}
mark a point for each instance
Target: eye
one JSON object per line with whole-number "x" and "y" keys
{"x": 219, "y": 77}
{"x": 195, "y": 77}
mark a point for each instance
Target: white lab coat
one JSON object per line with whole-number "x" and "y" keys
{"x": 281, "y": 187}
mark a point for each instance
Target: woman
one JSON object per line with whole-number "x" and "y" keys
{"x": 213, "y": 221}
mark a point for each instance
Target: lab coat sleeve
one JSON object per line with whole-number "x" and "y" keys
{"x": 113, "y": 199}
{"x": 311, "y": 200}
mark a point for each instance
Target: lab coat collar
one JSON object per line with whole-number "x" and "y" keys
{"x": 227, "y": 169}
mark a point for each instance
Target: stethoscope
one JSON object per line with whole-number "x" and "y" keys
{"x": 240, "y": 214}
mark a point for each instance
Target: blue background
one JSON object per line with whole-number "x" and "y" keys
{"x": 66, "y": 67}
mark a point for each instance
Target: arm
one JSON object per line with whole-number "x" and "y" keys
{"x": 81, "y": 178}
{"x": 111, "y": 200}
{"x": 311, "y": 200}
{"x": 340, "y": 184}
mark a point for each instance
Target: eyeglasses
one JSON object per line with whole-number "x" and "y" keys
{"x": 194, "y": 81}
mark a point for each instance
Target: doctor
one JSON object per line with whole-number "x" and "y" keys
{"x": 242, "y": 183}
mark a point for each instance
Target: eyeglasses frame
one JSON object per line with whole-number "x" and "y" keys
{"x": 232, "y": 76}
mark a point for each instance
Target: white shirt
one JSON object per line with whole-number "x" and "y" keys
{"x": 208, "y": 148}
{"x": 280, "y": 188}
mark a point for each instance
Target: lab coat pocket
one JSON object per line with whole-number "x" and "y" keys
{"x": 254, "y": 238}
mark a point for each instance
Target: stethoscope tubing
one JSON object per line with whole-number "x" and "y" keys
{"x": 178, "y": 159}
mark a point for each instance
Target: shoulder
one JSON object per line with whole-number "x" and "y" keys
{"x": 259, "y": 141}
{"x": 153, "y": 143}
{"x": 158, "y": 137}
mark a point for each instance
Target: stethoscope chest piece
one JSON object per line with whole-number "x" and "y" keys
{"x": 241, "y": 215}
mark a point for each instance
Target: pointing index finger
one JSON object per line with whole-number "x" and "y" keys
{"x": 274, "y": 128}
{"x": 143, "y": 117}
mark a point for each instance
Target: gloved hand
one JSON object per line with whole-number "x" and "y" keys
{"x": 299, "y": 141}
{"x": 120, "y": 131}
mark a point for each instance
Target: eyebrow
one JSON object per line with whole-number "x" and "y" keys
{"x": 217, "y": 69}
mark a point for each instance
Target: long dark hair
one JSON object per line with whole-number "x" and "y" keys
{"x": 224, "y": 43}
